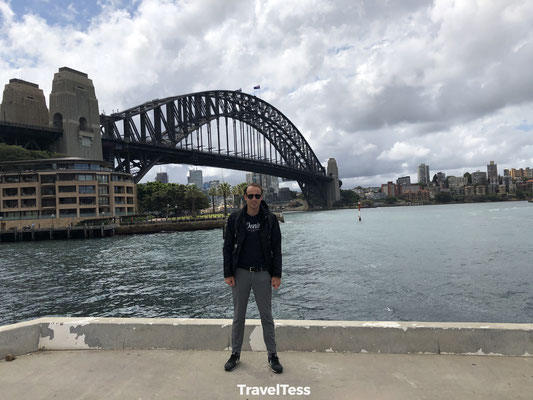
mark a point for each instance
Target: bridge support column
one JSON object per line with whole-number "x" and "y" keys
{"x": 334, "y": 192}
{"x": 74, "y": 107}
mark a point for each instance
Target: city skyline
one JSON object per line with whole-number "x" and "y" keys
{"x": 382, "y": 87}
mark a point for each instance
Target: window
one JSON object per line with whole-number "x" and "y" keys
{"x": 11, "y": 203}
{"x": 48, "y": 213}
{"x": 48, "y": 191}
{"x": 28, "y": 191}
{"x": 120, "y": 200}
{"x": 66, "y": 177}
{"x": 83, "y": 124}
{"x": 85, "y": 201}
{"x": 87, "y": 189}
{"x": 86, "y": 177}
{"x": 102, "y": 178}
{"x": 119, "y": 189}
{"x": 48, "y": 179}
{"x": 120, "y": 210}
{"x": 68, "y": 213}
{"x": 29, "y": 178}
{"x": 102, "y": 200}
{"x": 129, "y": 190}
{"x": 103, "y": 189}
{"x": 130, "y": 200}
{"x": 11, "y": 192}
{"x": 48, "y": 203}
{"x": 67, "y": 200}
{"x": 81, "y": 166}
{"x": 29, "y": 203}
{"x": 117, "y": 178}
{"x": 88, "y": 212}
{"x": 57, "y": 121}
{"x": 67, "y": 189}
{"x": 12, "y": 179}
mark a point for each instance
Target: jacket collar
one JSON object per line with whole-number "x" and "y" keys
{"x": 263, "y": 210}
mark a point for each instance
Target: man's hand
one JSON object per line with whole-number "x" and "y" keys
{"x": 276, "y": 282}
{"x": 230, "y": 280}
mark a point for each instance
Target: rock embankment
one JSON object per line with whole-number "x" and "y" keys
{"x": 169, "y": 227}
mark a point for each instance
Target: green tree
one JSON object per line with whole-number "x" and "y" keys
{"x": 16, "y": 153}
{"x": 468, "y": 176}
{"x": 224, "y": 190}
{"x": 390, "y": 199}
{"x": 192, "y": 194}
{"x": 161, "y": 197}
{"x": 348, "y": 199}
{"x": 368, "y": 203}
{"x": 443, "y": 197}
{"x": 238, "y": 193}
{"x": 213, "y": 192}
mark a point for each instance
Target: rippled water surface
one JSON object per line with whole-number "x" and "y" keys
{"x": 467, "y": 262}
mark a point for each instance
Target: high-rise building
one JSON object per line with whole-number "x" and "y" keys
{"x": 161, "y": 177}
{"x": 441, "y": 178}
{"x": 423, "y": 174}
{"x": 479, "y": 178}
{"x": 269, "y": 183}
{"x": 492, "y": 173}
{"x": 195, "y": 178}
{"x": 404, "y": 180}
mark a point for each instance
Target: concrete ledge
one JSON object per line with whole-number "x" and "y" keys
{"x": 215, "y": 334}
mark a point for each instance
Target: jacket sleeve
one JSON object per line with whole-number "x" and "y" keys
{"x": 227, "y": 250}
{"x": 275, "y": 243}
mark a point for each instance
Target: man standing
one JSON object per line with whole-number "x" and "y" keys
{"x": 252, "y": 260}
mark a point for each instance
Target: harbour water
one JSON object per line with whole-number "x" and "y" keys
{"x": 462, "y": 262}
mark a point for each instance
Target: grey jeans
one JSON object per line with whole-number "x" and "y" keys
{"x": 260, "y": 282}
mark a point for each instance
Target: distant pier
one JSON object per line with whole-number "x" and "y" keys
{"x": 69, "y": 232}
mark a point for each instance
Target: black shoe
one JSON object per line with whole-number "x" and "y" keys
{"x": 232, "y": 362}
{"x": 275, "y": 366}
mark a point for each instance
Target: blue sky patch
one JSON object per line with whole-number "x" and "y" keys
{"x": 525, "y": 127}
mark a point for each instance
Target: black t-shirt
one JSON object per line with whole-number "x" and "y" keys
{"x": 251, "y": 254}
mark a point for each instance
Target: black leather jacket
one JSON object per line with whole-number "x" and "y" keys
{"x": 270, "y": 235}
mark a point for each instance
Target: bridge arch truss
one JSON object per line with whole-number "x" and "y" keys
{"x": 226, "y": 129}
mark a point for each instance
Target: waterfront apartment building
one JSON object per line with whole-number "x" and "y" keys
{"x": 423, "y": 174}
{"x": 63, "y": 190}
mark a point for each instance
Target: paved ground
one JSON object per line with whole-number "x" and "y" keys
{"x": 161, "y": 374}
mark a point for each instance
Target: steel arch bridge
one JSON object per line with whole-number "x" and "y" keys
{"x": 226, "y": 129}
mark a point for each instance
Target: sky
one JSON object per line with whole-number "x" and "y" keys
{"x": 381, "y": 86}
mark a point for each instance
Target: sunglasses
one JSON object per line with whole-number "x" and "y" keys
{"x": 251, "y": 196}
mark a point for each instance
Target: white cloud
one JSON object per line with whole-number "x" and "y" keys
{"x": 402, "y": 151}
{"x": 381, "y": 86}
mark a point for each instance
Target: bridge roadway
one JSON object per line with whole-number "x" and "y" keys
{"x": 116, "y": 358}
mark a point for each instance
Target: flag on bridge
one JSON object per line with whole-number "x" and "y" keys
{"x": 257, "y": 87}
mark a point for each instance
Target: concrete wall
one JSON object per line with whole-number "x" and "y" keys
{"x": 215, "y": 334}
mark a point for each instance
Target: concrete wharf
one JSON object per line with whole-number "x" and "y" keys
{"x": 68, "y": 232}
{"x": 119, "y": 358}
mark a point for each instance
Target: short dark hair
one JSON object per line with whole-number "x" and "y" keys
{"x": 257, "y": 185}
